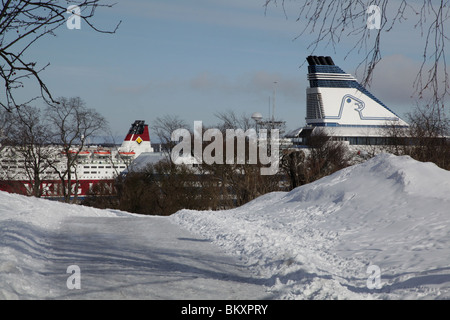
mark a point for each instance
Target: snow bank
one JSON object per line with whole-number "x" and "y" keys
{"x": 317, "y": 241}
{"x": 45, "y": 213}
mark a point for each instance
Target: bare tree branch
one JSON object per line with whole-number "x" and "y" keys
{"x": 22, "y": 24}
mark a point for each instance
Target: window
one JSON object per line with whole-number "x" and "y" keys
{"x": 314, "y": 106}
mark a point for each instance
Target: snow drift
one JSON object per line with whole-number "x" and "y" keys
{"x": 318, "y": 241}
{"x": 315, "y": 242}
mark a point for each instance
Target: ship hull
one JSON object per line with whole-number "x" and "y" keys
{"x": 53, "y": 189}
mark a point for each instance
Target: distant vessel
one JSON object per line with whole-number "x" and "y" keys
{"x": 340, "y": 106}
{"x": 94, "y": 165}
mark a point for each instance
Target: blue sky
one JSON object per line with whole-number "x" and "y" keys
{"x": 196, "y": 58}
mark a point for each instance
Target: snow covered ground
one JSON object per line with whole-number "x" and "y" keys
{"x": 110, "y": 255}
{"x": 377, "y": 230}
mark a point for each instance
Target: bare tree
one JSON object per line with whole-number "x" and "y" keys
{"x": 230, "y": 120}
{"x": 163, "y": 188}
{"x": 323, "y": 157}
{"x": 30, "y": 138}
{"x": 395, "y": 139}
{"x": 5, "y": 124}
{"x": 332, "y": 20}
{"x": 163, "y": 128}
{"x": 293, "y": 164}
{"x": 73, "y": 124}
{"x": 326, "y": 156}
{"x": 22, "y": 24}
{"x": 428, "y": 136}
{"x": 241, "y": 180}
{"x": 7, "y": 155}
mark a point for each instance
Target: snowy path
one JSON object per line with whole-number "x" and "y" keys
{"x": 151, "y": 259}
{"x": 131, "y": 258}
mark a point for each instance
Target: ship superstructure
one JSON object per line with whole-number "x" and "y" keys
{"x": 339, "y": 105}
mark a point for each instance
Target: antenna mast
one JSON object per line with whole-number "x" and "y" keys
{"x": 273, "y": 104}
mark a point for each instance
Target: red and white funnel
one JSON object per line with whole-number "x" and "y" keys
{"x": 137, "y": 140}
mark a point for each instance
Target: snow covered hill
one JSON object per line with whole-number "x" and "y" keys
{"x": 391, "y": 214}
{"x": 377, "y": 230}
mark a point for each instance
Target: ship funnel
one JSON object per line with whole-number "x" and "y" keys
{"x": 137, "y": 139}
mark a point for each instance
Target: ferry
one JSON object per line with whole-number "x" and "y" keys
{"x": 95, "y": 164}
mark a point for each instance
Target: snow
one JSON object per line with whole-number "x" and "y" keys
{"x": 316, "y": 242}
{"x": 119, "y": 256}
